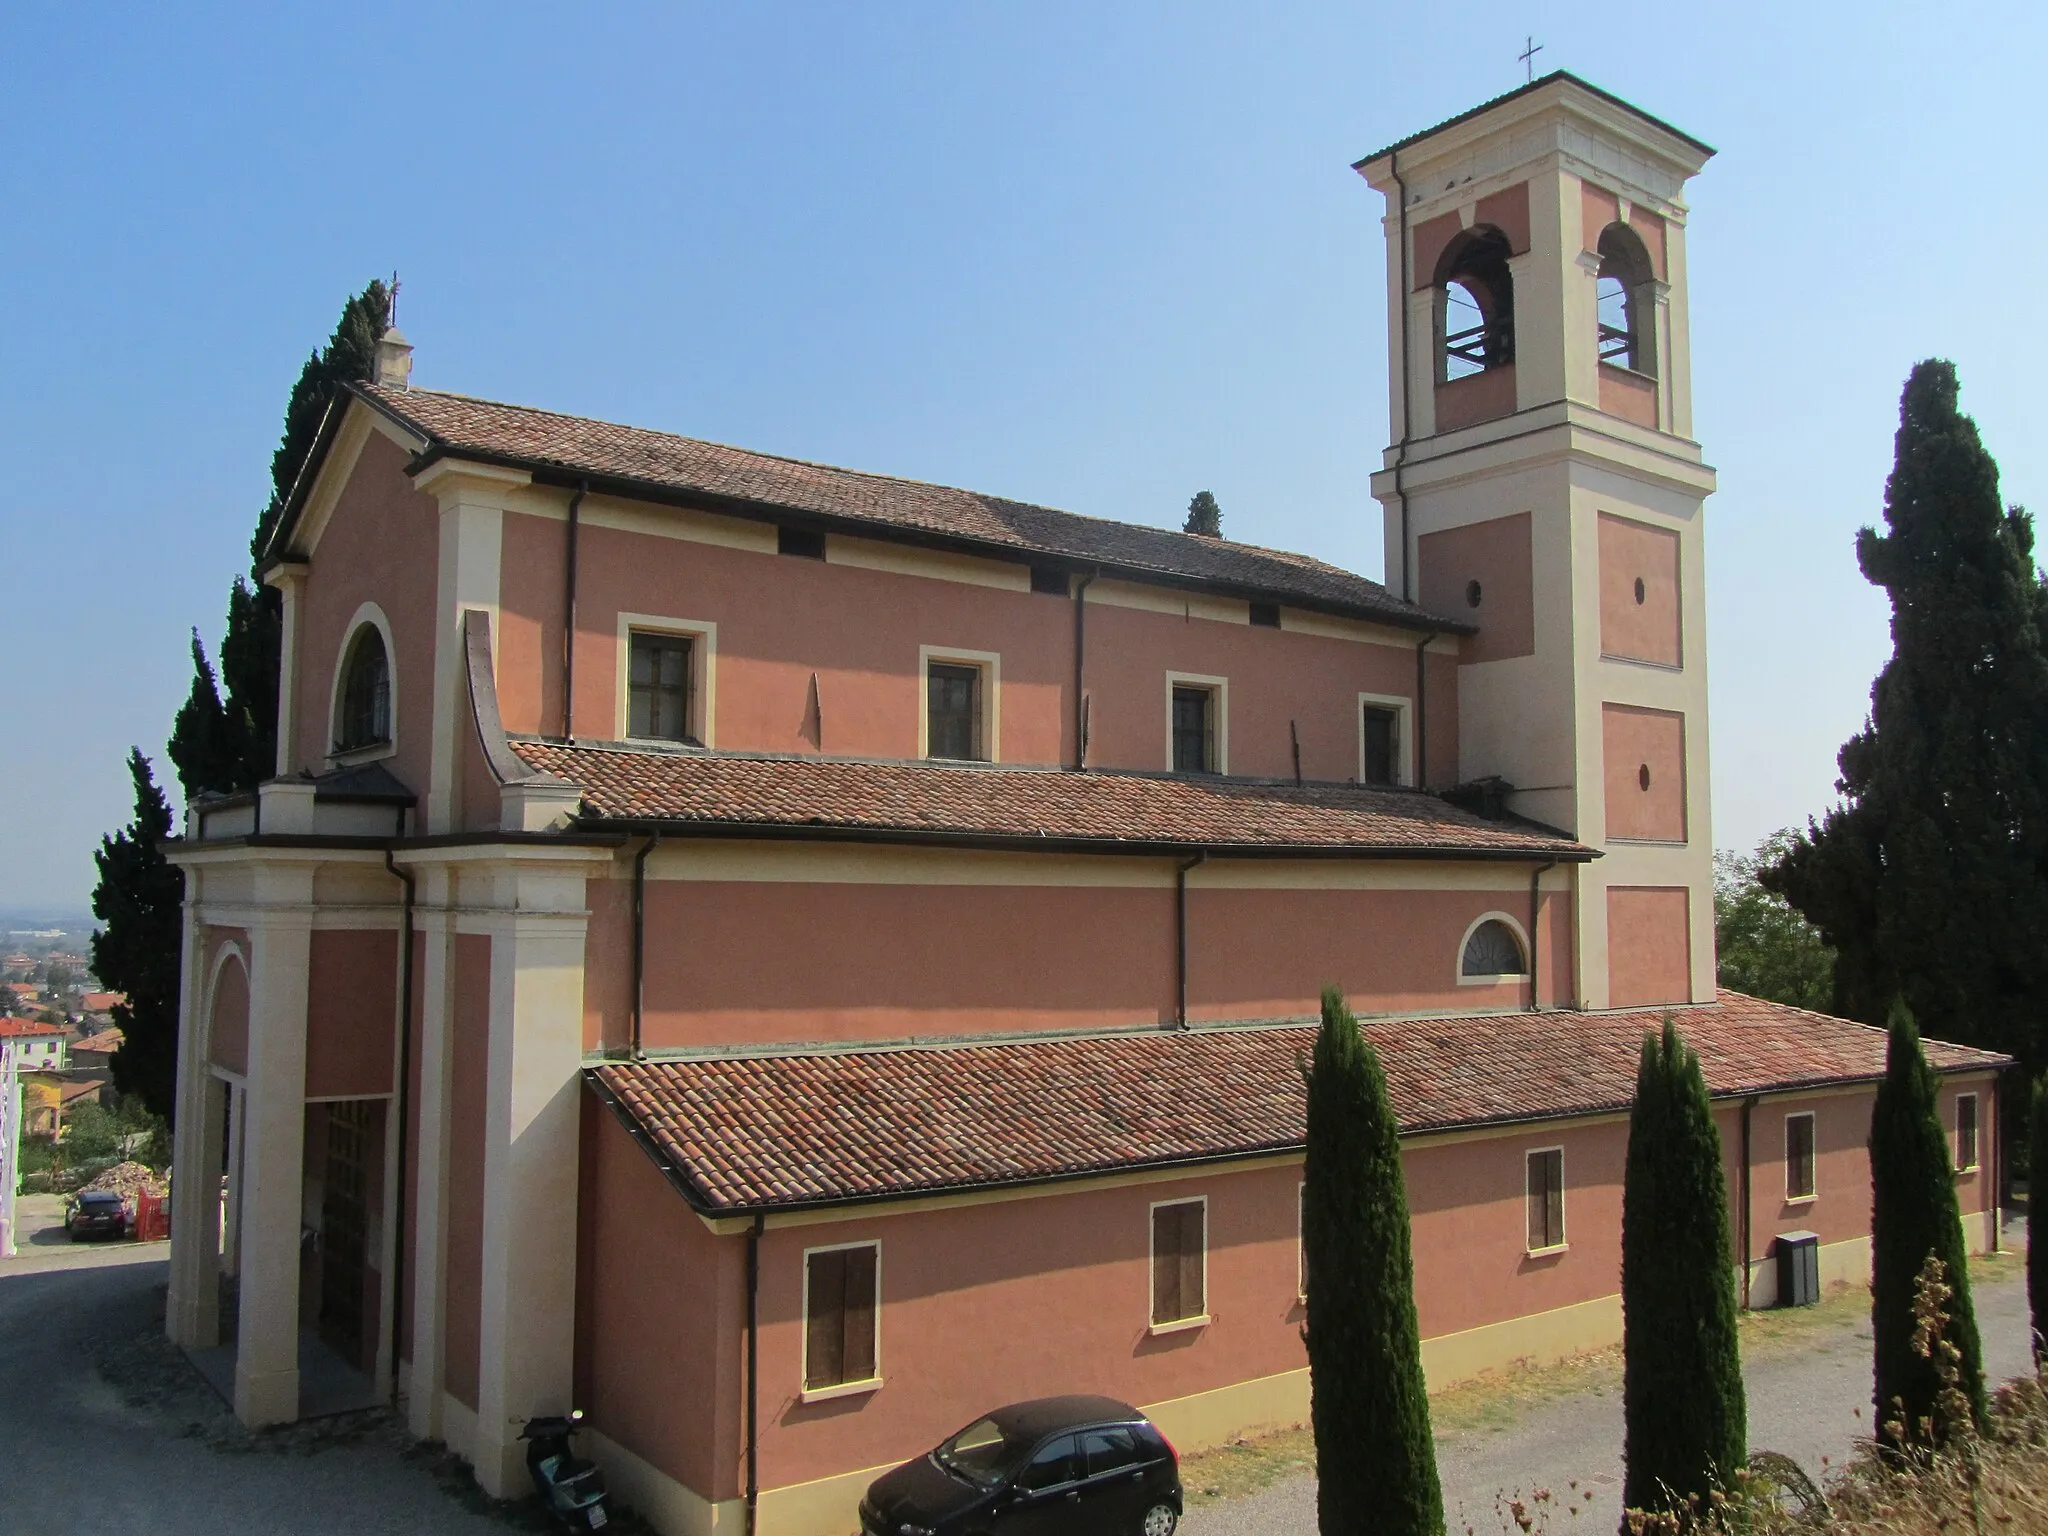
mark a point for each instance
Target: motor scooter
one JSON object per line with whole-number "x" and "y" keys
{"x": 572, "y": 1489}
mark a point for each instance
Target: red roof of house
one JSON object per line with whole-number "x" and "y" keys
{"x": 101, "y": 1002}
{"x": 11, "y": 1026}
{"x": 26, "y": 989}
{"x": 665, "y": 466}
{"x": 831, "y": 1128}
{"x": 107, "y": 1040}
{"x": 1048, "y": 806}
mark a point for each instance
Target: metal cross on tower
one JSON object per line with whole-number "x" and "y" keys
{"x": 1530, "y": 48}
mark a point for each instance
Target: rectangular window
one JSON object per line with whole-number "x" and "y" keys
{"x": 658, "y": 687}
{"x": 1799, "y": 1176}
{"x": 953, "y": 712}
{"x": 1194, "y": 729}
{"x": 840, "y": 1322}
{"x": 1050, "y": 580}
{"x": 1545, "y": 1195}
{"x": 804, "y": 543}
{"x": 1966, "y": 1132}
{"x": 1178, "y": 1261}
{"x": 1266, "y": 615}
{"x": 1382, "y": 759}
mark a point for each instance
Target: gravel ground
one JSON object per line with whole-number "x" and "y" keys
{"x": 109, "y": 1430}
{"x": 1811, "y": 1402}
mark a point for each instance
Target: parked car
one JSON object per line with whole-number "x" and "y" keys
{"x": 97, "y": 1212}
{"x": 1058, "y": 1466}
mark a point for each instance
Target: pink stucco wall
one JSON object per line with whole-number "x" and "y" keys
{"x": 757, "y": 962}
{"x": 381, "y": 545}
{"x": 351, "y": 1012}
{"x": 228, "y": 1028}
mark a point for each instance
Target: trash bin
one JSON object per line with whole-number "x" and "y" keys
{"x": 1798, "y": 1269}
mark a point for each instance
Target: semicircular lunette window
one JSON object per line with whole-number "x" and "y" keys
{"x": 365, "y": 714}
{"x": 1493, "y": 950}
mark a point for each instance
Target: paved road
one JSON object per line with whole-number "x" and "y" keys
{"x": 1804, "y": 1403}
{"x": 153, "y": 1452}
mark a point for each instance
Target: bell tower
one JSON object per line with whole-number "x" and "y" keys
{"x": 1543, "y": 482}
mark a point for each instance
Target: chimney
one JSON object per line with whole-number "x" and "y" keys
{"x": 394, "y": 359}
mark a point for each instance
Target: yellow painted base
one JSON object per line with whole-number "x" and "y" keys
{"x": 666, "y": 1504}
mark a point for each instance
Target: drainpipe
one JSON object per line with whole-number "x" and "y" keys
{"x": 569, "y": 614}
{"x": 640, "y": 937}
{"x": 1294, "y": 736}
{"x": 1180, "y": 948}
{"x": 1401, "y": 448}
{"x": 1535, "y": 908}
{"x": 403, "y": 1102}
{"x": 754, "y": 1370}
{"x": 1080, "y": 656}
{"x": 1422, "y": 712}
{"x": 1748, "y": 1105}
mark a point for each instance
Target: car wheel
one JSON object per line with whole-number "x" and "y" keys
{"x": 1159, "y": 1521}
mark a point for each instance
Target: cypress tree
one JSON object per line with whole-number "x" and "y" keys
{"x": 1914, "y": 1214}
{"x": 1375, "y": 1458}
{"x": 135, "y": 949}
{"x": 1205, "y": 517}
{"x": 1682, "y": 1395}
{"x": 2037, "y": 1252}
{"x": 201, "y": 745}
{"x": 1930, "y": 878}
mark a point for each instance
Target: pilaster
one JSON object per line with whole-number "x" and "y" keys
{"x": 434, "y": 920}
{"x": 471, "y": 542}
{"x": 192, "y": 1311}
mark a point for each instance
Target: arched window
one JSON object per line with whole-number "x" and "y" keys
{"x": 364, "y": 713}
{"x": 1626, "y": 295}
{"x": 1493, "y": 950}
{"x": 1475, "y": 305}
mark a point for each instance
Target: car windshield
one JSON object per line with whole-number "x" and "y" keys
{"x": 983, "y": 1453}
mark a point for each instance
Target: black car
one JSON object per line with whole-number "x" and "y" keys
{"x": 97, "y": 1212}
{"x": 1059, "y": 1466}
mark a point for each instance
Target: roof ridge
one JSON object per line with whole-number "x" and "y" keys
{"x": 384, "y": 393}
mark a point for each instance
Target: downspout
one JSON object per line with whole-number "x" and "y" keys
{"x": 754, "y": 1370}
{"x": 1401, "y": 448}
{"x": 1748, "y": 1105}
{"x": 1080, "y": 657}
{"x": 640, "y": 937}
{"x": 1535, "y": 908}
{"x": 569, "y": 614}
{"x": 1180, "y": 947}
{"x": 1422, "y": 711}
{"x": 403, "y": 1103}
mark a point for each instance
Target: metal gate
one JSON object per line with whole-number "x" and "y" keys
{"x": 342, "y": 1219}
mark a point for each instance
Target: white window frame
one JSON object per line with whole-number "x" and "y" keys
{"x": 372, "y": 615}
{"x": 1404, "y": 750}
{"x": 1813, "y": 1141}
{"x": 1529, "y": 1156}
{"x": 1219, "y": 689}
{"x": 1300, "y": 1245}
{"x": 703, "y": 637}
{"x": 1499, "y": 978}
{"x": 809, "y": 1394}
{"x": 1976, "y": 1161}
{"x": 990, "y": 665}
{"x": 1179, "y": 1324}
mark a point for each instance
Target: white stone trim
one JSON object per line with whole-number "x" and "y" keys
{"x": 1529, "y": 1156}
{"x": 1219, "y": 687}
{"x": 990, "y": 665}
{"x": 1404, "y": 747}
{"x": 1174, "y": 1324}
{"x": 869, "y": 1383}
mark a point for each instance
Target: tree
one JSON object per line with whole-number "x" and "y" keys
{"x": 1766, "y": 949}
{"x": 135, "y": 950}
{"x": 1682, "y": 1396}
{"x": 1204, "y": 517}
{"x": 1930, "y": 878}
{"x": 1375, "y": 1458}
{"x": 1913, "y": 1215}
{"x": 2037, "y": 1253}
{"x": 225, "y": 737}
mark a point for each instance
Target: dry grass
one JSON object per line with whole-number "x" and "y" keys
{"x": 1499, "y": 1400}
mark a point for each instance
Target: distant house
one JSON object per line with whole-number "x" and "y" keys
{"x": 101, "y": 1002}
{"x": 18, "y": 961}
{"x": 25, "y": 993}
{"x": 34, "y": 1046}
{"x": 64, "y": 957}
{"x": 95, "y": 1051}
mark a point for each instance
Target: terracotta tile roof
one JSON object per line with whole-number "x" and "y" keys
{"x": 13, "y": 1027}
{"x": 463, "y": 426}
{"x": 101, "y": 1002}
{"x": 106, "y": 1041}
{"x": 747, "y": 1133}
{"x": 1048, "y": 805}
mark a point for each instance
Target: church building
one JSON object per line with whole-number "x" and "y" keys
{"x": 786, "y": 959}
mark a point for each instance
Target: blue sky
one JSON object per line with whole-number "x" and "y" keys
{"x": 1099, "y": 256}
